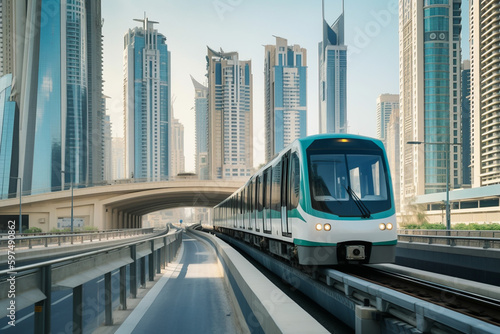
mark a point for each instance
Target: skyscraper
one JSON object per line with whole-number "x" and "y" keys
{"x": 178, "y": 159}
{"x": 387, "y": 104}
{"x": 147, "y": 103}
{"x": 9, "y": 146}
{"x": 107, "y": 150}
{"x": 285, "y": 75}
{"x": 6, "y": 37}
{"x": 201, "y": 119}
{"x": 118, "y": 154}
{"x": 58, "y": 71}
{"x": 485, "y": 89}
{"x": 333, "y": 77}
{"x": 230, "y": 113}
{"x": 98, "y": 165}
{"x": 429, "y": 48}
{"x": 466, "y": 116}
{"x": 392, "y": 145}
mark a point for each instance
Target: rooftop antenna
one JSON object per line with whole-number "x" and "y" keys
{"x": 323, "y": 9}
{"x": 146, "y": 22}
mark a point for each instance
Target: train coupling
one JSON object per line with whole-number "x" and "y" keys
{"x": 355, "y": 252}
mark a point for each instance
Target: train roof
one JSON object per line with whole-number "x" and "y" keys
{"x": 309, "y": 139}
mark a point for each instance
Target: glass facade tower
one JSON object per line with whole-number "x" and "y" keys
{"x": 58, "y": 126}
{"x": 147, "y": 104}
{"x": 430, "y": 96}
{"x": 285, "y": 72}
{"x": 333, "y": 77}
{"x": 9, "y": 146}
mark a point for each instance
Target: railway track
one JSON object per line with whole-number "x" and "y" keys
{"x": 477, "y": 306}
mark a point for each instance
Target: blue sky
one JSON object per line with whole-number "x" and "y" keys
{"x": 245, "y": 26}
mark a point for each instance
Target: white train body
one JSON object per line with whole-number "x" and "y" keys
{"x": 324, "y": 200}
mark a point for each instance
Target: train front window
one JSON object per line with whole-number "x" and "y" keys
{"x": 348, "y": 185}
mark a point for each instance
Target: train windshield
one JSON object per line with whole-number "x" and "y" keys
{"x": 349, "y": 184}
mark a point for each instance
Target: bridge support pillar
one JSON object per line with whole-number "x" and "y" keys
{"x": 108, "y": 222}
{"x": 366, "y": 320}
{"x": 114, "y": 219}
{"x": 120, "y": 220}
{"x": 108, "y": 300}
{"x": 133, "y": 271}
{"x": 123, "y": 287}
{"x": 125, "y": 219}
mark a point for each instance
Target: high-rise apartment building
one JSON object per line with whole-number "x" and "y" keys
{"x": 230, "y": 115}
{"x": 429, "y": 58}
{"x": 147, "y": 103}
{"x": 107, "y": 150}
{"x": 57, "y": 86}
{"x": 333, "y": 77}
{"x": 466, "y": 117}
{"x": 118, "y": 154}
{"x": 285, "y": 76}
{"x": 97, "y": 159}
{"x": 178, "y": 159}
{"x": 392, "y": 144}
{"x": 485, "y": 90}
{"x": 387, "y": 104}
{"x": 6, "y": 37}
{"x": 201, "y": 128}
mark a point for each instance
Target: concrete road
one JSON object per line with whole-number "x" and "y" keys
{"x": 192, "y": 298}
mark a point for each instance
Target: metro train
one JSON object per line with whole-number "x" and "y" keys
{"x": 324, "y": 200}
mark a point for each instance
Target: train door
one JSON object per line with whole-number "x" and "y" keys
{"x": 252, "y": 201}
{"x": 259, "y": 203}
{"x": 285, "y": 185}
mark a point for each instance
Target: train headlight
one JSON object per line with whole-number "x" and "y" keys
{"x": 328, "y": 227}
{"x": 318, "y": 227}
{"x": 381, "y": 226}
{"x": 389, "y": 226}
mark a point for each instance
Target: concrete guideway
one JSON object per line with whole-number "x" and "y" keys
{"x": 265, "y": 307}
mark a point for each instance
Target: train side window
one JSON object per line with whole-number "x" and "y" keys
{"x": 268, "y": 180}
{"x": 294, "y": 181}
{"x": 258, "y": 200}
{"x": 276, "y": 190}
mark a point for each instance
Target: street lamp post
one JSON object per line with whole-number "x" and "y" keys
{"x": 20, "y": 202}
{"x": 71, "y": 186}
{"x": 447, "y": 203}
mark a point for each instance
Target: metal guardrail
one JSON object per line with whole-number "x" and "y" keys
{"x": 33, "y": 284}
{"x": 485, "y": 243}
{"x": 70, "y": 237}
{"x": 452, "y": 238}
{"x": 457, "y": 233}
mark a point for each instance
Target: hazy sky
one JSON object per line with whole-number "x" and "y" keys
{"x": 371, "y": 35}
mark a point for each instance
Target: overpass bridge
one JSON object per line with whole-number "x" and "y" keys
{"x": 118, "y": 205}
